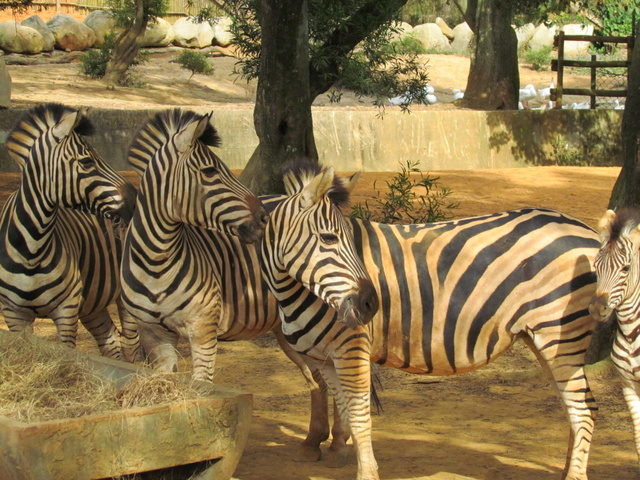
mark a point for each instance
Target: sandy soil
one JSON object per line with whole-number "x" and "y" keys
{"x": 501, "y": 422}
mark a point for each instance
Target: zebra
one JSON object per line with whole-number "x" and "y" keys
{"x": 59, "y": 232}
{"x": 171, "y": 256}
{"x": 453, "y": 296}
{"x": 617, "y": 266}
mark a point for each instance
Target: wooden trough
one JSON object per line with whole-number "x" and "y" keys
{"x": 206, "y": 435}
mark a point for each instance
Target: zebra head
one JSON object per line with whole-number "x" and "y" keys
{"x": 56, "y": 161}
{"x": 188, "y": 182}
{"x": 617, "y": 263}
{"x": 308, "y": 239}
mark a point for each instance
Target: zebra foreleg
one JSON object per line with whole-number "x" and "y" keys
{"x": 631, "y": 390}
{"x": 567, "y": 370}
{"x": 319, "y": 420}
{"x": 159, "y": 345}
{"x": 352, "y": 393}
{"x": 130, "y": 338}
{"x": 203, "y": 338}
{"x": 104, "y": 332}
{"x": 17, "y": 322}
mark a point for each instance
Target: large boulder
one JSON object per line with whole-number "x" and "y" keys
{"x": 5, "y": 85}
{"x": 222, "y": 31}
{"x": 431, "y": 37}
{"x": 70, "y": 34}
{"x": 192, "y": 34}
{"x": 462, "y": 37}
{"x": 159, "y": 33}
{"x": 102, "y": 23}
{"x": 573, "y": 48}
{"x": 16, "y": 38}
{"x": 38, "y": 24}
{"x": 524, "y": 34}
{"x": 542, "y": 37}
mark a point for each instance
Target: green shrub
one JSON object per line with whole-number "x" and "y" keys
{"x": 402, "y": 204}
{"x": 407, "y": 45}
{"x": 195, "y": 62}
{"x": 94, "y": 62}
{"x": 538, "y": 60}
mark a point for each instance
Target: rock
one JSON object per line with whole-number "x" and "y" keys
{"x": 542, "y": 37}
{"x": 404, "y": 29}
{"x": 38, "y": 24}
{"x": 5, "y": 85}
{"x": 222, "y": 32}
{"x": 192, "y": 34}
{"x": 102, "y": 23}
{"x": 16, "y": 38}
{"x": 446, "y": 29}
{"x": 431, "y": 37}
{"x": 524, "y": 34}
{"x": 462, "y": 37}
{"x": 574, "y": 49}
{"x": 70, "y": 34}
{"x": 158, "y": 34}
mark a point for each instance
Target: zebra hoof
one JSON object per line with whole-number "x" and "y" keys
{"x": 336, "y": 458}
{"x": 309, "y": 454}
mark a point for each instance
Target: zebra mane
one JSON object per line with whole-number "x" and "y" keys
{"x": 298, "y": 173}
{"x": 626, "y": 220}
{"x": 159, "y": 129}
{"x": 35, "y": 122}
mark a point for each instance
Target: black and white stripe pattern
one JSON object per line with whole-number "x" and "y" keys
{"x": 618, "y": 293}
{"x": 453, "y": 296}
{"x": 174, "y": 262}
{"x": 59, "y": 232}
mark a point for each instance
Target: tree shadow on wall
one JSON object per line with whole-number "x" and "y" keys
{"x": 559, "y": 137}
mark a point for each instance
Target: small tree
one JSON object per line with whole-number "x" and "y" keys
{"x": 195, "y": 62}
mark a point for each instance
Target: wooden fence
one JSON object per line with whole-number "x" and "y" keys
{"x": 593, "y": 64}
{"x": 177, "y": 8}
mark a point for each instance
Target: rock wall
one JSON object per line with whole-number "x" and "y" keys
{"x": 360, "y": 140}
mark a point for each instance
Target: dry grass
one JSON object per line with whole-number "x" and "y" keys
{"x": 42, "y": 380}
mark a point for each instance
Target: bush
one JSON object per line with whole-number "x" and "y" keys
{"x": 94, "y": 62}
{"x": 407, "y": 45}
{"x": 401, "y": 203}
{"x": 194, "y": 61}
{"x": 539, "y": 60}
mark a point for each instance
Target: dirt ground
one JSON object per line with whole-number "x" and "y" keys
{"x": 502, "y": 422}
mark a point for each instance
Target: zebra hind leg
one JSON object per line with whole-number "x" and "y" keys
{"x": 130, "y": 338}
{"x": 16, "y": 322}
{"x": 566, "y": 367}
{"x": 159, "y": 345}
{"x": 105, "y": 333}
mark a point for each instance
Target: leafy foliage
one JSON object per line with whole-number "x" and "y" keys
{"x": 538, "y": 59}
{"x": 124, "y": 11}
{"x": 195, "y": 62}
{"x": 402, "y": 204}
{"x": 94, "y": 62}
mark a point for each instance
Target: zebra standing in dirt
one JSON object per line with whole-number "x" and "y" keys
{"x": 453, "y": 296}
{"x": 59, "y": 249}
{"x": 618, "y": 292}
{"x": 168, "y": 272}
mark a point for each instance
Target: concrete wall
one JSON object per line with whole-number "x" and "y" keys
{"x": 359, "y": 139}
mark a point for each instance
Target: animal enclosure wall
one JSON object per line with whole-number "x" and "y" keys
{"x": 359, "y": 139}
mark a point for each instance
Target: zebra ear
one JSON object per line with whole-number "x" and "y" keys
{"x": 350, "y": 183}
{"x": 318, "y": 187}
{"x": 187, "y": 137}
{"x": 65, "y": 126}
{"x": 604, "y": 226}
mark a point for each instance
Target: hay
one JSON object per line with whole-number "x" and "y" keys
{"x": 42, "y": 380}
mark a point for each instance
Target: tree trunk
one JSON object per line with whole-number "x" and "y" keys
{"x": 126, "y": 48}
{"x": 282, "y": 114}
{"x": 626, "y": 191}
{"x": 494, "y": 79}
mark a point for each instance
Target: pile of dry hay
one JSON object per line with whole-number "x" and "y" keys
{"x": 43, "y": 380}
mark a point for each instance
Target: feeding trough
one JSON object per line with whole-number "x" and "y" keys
{"x": 207, "y": 433}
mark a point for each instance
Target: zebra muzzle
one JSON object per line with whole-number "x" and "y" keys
{"x": 599, "y": 307}
{"x": 359, "y": 308}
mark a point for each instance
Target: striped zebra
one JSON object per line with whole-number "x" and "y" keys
{"x": 617, "y": 268}
{"x": 453, "y": 296}
{"x": 59, "y": 232}
{"x": 172, "y": 265}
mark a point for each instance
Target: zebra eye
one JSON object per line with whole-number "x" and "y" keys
{"x": 209, "y": 171}
{"x": 329, "y": 238}
{"x": 85, "y": 162}
{"x": 625, "y": 268}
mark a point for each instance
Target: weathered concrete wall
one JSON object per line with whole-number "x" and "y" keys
{"x": 354, "y": 139}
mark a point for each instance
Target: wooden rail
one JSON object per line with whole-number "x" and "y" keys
{"x": 593, "y": 64}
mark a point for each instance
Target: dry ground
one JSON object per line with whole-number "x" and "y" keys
{"x": 502, "y": 422}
